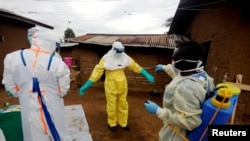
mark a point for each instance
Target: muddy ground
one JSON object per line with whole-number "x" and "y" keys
{"x": 144, "y": 126}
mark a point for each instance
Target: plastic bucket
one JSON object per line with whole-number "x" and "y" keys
{"x": 68, "y": 61}
{"x": 11, "y": 126}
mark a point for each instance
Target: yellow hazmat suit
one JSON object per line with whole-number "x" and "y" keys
{"x": 21, "y": 70}
{"x": 115, "y": 84}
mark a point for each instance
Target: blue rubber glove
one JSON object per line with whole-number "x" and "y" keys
{"x": 151, "y": 107}
{"x": 84, "y": 87}
{"x": 159, "y": 67}
{"x": 8, "y": 93}
{"x": 147, "y": 75}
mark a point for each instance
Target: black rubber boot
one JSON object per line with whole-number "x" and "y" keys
{"x": 126, "y": 128}
{"x": 113, "y": 128}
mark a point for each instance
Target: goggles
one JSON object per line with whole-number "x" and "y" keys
{"x": 119, "y": 50}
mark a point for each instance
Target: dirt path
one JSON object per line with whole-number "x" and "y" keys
{"x": 144, "y": 126}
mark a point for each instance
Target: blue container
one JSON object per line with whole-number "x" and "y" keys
{"x": 208, "y": 111}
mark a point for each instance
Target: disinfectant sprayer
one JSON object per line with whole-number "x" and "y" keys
{"x": 216, "y": 110}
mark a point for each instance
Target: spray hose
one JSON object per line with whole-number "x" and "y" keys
{"x": 225, "y": 103}
{"x": 178, "y": 133}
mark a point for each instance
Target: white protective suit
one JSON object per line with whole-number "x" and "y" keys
{"x": 169, "y": 70}
{"x": 182, "y": 101}
{"x": 53, "y": 76}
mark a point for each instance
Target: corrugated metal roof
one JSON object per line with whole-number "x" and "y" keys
{"x": 12, "y": 15}
{"x": 136, "y": 40}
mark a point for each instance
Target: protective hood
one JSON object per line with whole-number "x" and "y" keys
{"x": 116, "y": 58}
{"x": 44, "y": 41}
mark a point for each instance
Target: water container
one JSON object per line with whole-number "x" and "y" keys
{"x": 11, "y": 126}
{"x": 217, "y": 110}
{"x": 68, "y": 61}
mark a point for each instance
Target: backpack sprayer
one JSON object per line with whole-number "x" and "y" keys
{"x": 216, "y": 110}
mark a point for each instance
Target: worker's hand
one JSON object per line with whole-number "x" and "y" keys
{"x": 159, "y": 67}
{"x": 82, "y": 90}
{"x": 151, "y": 107}
{"x": 150, "y": 78}
{"x": 84, "y": 87}
{"x": 147, "y": 75}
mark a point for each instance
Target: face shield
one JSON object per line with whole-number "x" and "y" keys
{"x": 30, "y": 34}
{"x": 117, "y": 48}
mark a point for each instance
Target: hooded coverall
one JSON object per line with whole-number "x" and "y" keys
{"x": 113, "y": 63}
{"x": 53, "y": 75}
{"x": 115, "y": 85}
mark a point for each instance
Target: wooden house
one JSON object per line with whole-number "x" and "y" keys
{"x": 147, "y": 50}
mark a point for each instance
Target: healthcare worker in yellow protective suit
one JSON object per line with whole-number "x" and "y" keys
{"x": 39, "y": 80}
{"x": 116, "y": 88}
{"x": 184, "y": 95}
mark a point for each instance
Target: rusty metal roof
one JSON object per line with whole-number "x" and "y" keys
{"x": 11, "y": 15}
{"x": 136, "y": 40}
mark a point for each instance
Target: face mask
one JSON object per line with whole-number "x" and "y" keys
{"x": 117, "y": 55}
{"x": 198, "y": 67}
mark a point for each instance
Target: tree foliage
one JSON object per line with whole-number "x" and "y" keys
{"x": 69, "y": 33}
{"x": 168, "y": 22}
